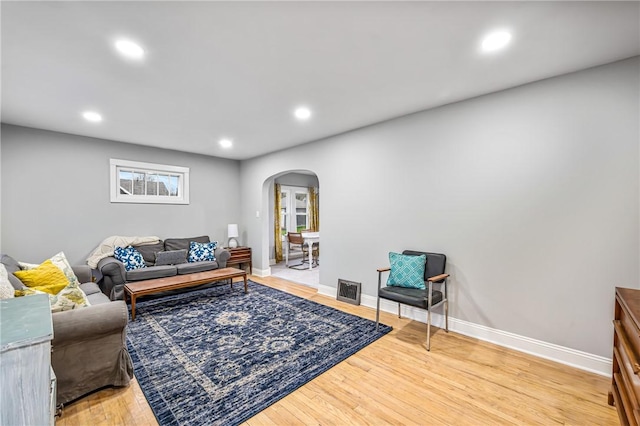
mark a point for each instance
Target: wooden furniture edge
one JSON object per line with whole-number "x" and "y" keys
{"x": 134, "y": 294}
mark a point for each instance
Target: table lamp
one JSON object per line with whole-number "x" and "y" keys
{"x": 232, "y": 233}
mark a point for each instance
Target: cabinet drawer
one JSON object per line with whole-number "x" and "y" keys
{"x": 631, "y": 330}
{"x": 618, "y": 403}
{"x": 630, "y": 414}
{"x": 627, "y": 360}
{"x": 243, "y": 258}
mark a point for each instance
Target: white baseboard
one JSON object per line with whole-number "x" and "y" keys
{"x": 262, "y": 272}
{"x": 582, "y": 360}
{"x": 325, "y": 290}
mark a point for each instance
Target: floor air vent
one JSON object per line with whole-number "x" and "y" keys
{"x": 349, "y": 292}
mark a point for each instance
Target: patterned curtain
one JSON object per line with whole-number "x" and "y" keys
{"x": 277, "y": 239}
{"x": 314, "y": 210}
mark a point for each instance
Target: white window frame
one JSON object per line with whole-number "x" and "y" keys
{"x": 291, "y": 207}
{"x": 115, "y": 165}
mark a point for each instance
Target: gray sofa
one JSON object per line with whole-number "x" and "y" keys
{"x": 115, "y": 276}
{"x": 88, "y": 350}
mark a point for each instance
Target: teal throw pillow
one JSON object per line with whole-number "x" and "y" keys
{"x": 407, "y": 271}
{"x": 131, "y": 258}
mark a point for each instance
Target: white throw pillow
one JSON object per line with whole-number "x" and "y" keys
{"x": 6, "y": 289}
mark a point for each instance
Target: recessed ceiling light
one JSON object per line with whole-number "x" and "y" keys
{"x": 225, "y": 143}
{"x": 302, "y": 113}
{"x": 496, "y": 41}
{"x": 129, "y": 49}
{"x": 92, "y": 116}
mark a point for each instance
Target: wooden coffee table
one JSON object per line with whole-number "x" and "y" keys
{"x": 142, "y": 288}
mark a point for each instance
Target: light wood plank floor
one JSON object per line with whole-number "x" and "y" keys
{"x": 462, "y": 381}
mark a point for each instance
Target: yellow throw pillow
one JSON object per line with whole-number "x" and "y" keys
{"x": 60, "y": 260}
{"x": 47, "y": 277}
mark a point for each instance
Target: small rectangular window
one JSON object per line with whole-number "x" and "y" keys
{"x": 138, "y": 182}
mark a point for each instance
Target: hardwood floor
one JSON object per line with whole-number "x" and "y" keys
{"x": 462, "y": 381}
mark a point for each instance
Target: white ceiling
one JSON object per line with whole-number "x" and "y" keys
{"x": 238, "y": 69}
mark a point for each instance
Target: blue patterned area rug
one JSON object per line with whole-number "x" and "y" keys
{"x": 216, "y": 356}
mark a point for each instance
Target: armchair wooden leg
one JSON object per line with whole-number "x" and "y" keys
{"x": 378, "y": 313}
{"x": 399, "y": 314}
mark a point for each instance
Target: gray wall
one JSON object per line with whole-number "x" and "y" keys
{"x": 55, "y": 195}
{"x": 532, "y": 192}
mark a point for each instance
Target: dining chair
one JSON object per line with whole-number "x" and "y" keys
{"x": 296, "y": 238}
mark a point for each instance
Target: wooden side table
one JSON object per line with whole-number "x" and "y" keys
{"x": 240, "y": 256}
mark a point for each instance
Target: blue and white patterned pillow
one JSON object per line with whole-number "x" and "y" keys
{"x": 407, "y": 271}
{"x": 131, "y": 258}
{"x": 200, "y": 252}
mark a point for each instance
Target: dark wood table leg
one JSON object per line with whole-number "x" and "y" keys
{"x": 246, "y": 284}
{"x": 133, "y": 306}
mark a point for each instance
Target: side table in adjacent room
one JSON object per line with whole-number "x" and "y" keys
{"x": 240, "y": 256}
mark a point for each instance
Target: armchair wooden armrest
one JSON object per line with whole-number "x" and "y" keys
{"x": 438, "y": 278}
{"x": 384, "y": 269}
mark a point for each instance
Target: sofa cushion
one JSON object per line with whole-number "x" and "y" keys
{"x": 11, "y": 265}
{"x": 98, "y": 298}
{"x": 172, "y": 257}
{"x": 183, "y": 243}
{"x": 70, "y": 297}
{"x": 200, "y": 252}
{"x": 16, "y": 283}
{"x": 90, "y": 288}
{"x": 130, "y": 257}
{"x": 407, "y": 270}
{"x": 151, "y": 273}
{"x": 46, "y": 277}
{"x": 60, "y": 260}
{"x": 148, "y": 252}
{"x": 188, "y": 268}
{"x": 6, "y": 289}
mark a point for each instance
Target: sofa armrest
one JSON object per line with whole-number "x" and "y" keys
{"x": 222, "y": 256}
{"x": 114, "y": 269}
{"x": 88, "y": 323}
{"x": 114, "y": 276}
{"x": 83, "y": 272}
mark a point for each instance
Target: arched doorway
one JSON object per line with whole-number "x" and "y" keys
{"x": 298, "y": 209}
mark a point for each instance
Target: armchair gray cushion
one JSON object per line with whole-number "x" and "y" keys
{"x": 410, "y": 296}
